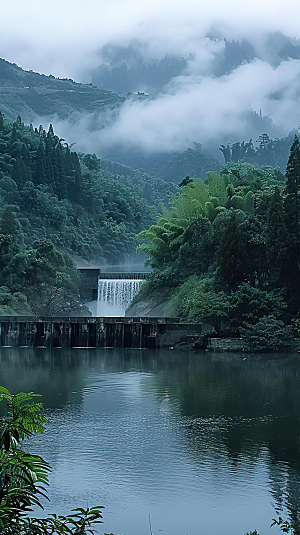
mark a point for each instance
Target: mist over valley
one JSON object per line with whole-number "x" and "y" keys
{"x": 150, "y": 200}
{"x": 150, "y": 82}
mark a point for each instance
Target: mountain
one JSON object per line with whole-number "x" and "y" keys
{"x": 125, "y": 69}
{"x": 58, "y": 207}
{"x": 169, "y": 166}
{"x": 90, "y": 208}
{"x": 30, "y": 94}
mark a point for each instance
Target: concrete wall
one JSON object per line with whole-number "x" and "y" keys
{"x": 226, "y": 344}
{"x": 95, "y": 332}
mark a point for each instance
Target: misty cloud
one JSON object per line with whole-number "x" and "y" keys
{"x": 203, "y": 104}
{"x": 196, "y": 108}
{"x": 63, "y": 37}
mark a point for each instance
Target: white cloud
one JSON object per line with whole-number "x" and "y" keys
{"x": 63, "y": 37}
{"x": 197, "y": 108}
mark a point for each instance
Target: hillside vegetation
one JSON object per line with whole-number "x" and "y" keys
{"x": 57, "y": 206}
{"x": 274, "y": 152}
{"x": 30, "y": 95}
{"x": 228, "y": 251}
{"x": 169, "y": 166}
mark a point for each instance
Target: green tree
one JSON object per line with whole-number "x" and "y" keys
{"x": 276, "y": 235}
{"x": 50, "y": 280}
{"x": 13, "y": 304}
{"x": 197, "y": 249}
{"x": 24, "y": 476}
{"x": 269, "y": 333}
{"x": 292, "y": 204}
{"x": 251, "y": 303}
{"x": 231, "y": 254}
{"x": 292, "y": 201}
{"x": 9, "y": 243}
{"x": 9, "y": 224}
{"x": 39, "y": 175}
{"x": 196, "y": 300}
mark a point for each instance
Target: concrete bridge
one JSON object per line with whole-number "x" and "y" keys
{"x": 94, "y": 332}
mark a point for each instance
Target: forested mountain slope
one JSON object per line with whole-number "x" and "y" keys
{"x": 274, "y": 152}
{"x": 32, "y": 95}
{"x": 56, "y": 206}
{"x": 169, "y": 166}
{"x": 29, "y": 94}
{"x": 227, "y": 252}
{"x": 79, "y": 203}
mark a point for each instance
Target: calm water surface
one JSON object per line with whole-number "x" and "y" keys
{"x": 206, "y": 443}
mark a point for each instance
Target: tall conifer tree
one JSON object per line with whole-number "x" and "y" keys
{"x": 276, "y": 234}
{"x": 231, "y": 254}
{"x": 291, "y": 270}
{"x": 292, "y": 202}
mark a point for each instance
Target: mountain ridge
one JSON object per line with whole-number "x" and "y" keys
{"x": 31, "y": 94}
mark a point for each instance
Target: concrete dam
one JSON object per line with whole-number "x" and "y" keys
{"x": 109, "y": 293}
{"x": 91, "y": 332}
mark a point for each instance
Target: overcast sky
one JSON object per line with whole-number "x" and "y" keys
{"x": 64, "y": 37}
{"x": 61, "y": 37}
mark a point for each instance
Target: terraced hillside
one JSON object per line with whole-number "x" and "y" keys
{"x": 30, "y": 94}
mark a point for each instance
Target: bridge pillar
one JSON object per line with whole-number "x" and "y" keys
{"x": 119, "y": 335}
{"x": 136, "y": 335}
{"x": 65, "y": 335}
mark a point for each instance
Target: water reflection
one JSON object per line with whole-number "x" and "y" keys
{"x": 213, "y": 436}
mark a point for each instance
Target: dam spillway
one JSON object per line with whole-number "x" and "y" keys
{"x": 109, "y": 293}
{"x": 115, "y": 295}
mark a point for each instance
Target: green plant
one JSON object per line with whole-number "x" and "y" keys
{"x": 268, "y": 333}
{"x": 284, "y": 525}
{"x": 24, "y": 476}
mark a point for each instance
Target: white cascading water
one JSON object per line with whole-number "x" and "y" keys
{"x": 115, "y": 295}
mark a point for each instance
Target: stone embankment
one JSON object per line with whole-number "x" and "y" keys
{"x": 149, "y": 308}
{"x": 226, "y": 344}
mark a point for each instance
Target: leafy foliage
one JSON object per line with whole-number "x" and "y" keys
{"x": 56, "y": 206}
{"x": 271, "y": 152}
{"x": 230, "y": 248}
{"x": 250, "y": 304}
{"x": 284, "y": 525}
{"x": 24, "y": 476}
{"x": 195, "y": 300}
{"x": 268, "y": 333}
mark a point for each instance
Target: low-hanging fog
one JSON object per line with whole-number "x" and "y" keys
{"x": 207, "y": 68}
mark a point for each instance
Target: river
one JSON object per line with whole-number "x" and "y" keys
{"x": 205, "y": 443}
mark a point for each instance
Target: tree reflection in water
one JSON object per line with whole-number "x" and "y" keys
{"x": 239, "y": 408}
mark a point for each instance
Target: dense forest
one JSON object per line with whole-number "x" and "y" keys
{"x": 127, "y": 71}
{"x": 58, "y": 207}
{"x": 32, "y": 95}
{"x": 273, "y": 152}
{"x": 168, "y": 166}
{"x": 228, "y": 252}
{"x": 129, "y": 68}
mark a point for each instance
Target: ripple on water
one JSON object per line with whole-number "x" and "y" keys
{"x": 158, "y": 437}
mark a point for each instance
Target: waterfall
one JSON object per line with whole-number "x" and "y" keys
{"x": 115, "y": 295}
